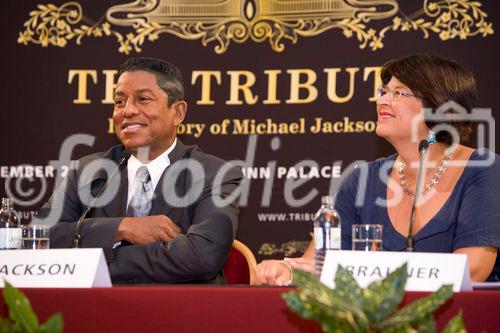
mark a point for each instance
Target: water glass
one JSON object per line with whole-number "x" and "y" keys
{"x": 35, "y": 237}
{"x": 367, "y": 237}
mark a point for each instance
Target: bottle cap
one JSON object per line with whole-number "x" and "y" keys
{"x": 327, "y": 200}
{"x": 7, "y": 202}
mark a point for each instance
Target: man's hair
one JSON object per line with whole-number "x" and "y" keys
{"x": 436, "y": 80}
{"x": 168, "y": 76}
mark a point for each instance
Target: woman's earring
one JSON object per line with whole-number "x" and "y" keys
{"x": 431, "y": 137}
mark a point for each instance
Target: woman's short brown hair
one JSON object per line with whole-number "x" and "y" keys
{"x": 436, "y": 80}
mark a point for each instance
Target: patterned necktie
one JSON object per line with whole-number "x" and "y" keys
{"x": 140, "y": 204}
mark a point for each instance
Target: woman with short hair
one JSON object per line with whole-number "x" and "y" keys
{"x": 458, "y": 209}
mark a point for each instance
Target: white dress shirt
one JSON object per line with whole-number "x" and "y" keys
{"x": 155, "y": 167}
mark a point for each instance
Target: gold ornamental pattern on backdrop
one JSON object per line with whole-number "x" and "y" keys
{"x": 288, "y": 249}
{"x": 220, "y": 22}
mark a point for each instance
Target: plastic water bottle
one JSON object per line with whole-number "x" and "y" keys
{"x": 326, "y": 232}
{"x": 10, "y": 226}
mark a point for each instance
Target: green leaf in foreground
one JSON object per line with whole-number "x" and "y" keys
{"x": 53, "y": 325}
{"x": 20, "y": 311}
{"x": 6, "y": 326}
{"x": 346, "y": 287}
{"x": 349, "y": 308}
{"x": 315, "y": 300}
{"x": 427, "y": 324}
{"x": 21, "y": 315}
{"x": 420, "y": 309}
{"x": 455, "y": 325}
{"x": 382, "y": 297}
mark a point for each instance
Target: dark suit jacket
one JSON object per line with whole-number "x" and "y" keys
{"x": 196, "y": 256}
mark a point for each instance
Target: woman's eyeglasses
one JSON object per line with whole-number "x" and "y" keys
{"x": 394, "y": 94}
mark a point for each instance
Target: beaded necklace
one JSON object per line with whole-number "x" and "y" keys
{"x": 434, "y": 181}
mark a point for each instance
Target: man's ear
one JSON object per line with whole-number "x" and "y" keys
{"x": 180, "y": 108}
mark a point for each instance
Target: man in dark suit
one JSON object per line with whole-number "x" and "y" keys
{"x": 174, "y": 215}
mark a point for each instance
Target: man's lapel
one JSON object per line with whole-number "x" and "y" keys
{"x": 118, "y": 206}
{"x": 159, "y": 204}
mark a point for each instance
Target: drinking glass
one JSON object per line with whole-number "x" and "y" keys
{"x": 35, "y": 237}
{"x": 367, "y": 237}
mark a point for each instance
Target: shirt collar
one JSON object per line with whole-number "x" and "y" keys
{"x": 155, "y": 167}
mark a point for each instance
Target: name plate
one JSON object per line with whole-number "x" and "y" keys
{"x": 54, "y": 268}
{"x": 426, "y": 271}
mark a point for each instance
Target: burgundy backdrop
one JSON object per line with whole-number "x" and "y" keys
{"x": 39, "y": 88}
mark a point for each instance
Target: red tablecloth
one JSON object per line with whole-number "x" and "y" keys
{"x": 215, "y": 309}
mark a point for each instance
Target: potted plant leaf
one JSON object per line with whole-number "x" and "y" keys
{"x": 21, "y": 316}
{"x": 350, "y": 308}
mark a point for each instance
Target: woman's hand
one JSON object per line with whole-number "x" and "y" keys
{"x": 273, "y": 273}
{"x": 279, "y": 272}
{"x": 304, "y": 263}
